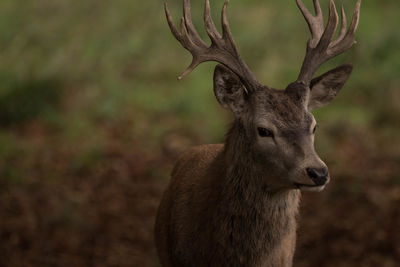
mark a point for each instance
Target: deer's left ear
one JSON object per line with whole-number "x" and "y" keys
{"x": 325, "y": 87}
{"x": 229, "y": 91}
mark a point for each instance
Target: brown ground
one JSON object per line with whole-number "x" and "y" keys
{"x": 102, "y": 214}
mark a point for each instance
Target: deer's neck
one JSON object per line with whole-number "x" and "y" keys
{"x": 257, "y": 222}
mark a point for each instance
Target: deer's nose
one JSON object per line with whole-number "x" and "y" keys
{"x": 319, "y": 176}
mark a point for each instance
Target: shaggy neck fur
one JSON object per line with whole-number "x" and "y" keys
{"x": 255, "y": 220}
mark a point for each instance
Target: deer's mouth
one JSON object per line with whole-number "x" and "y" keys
{"x": 310, "y": 188}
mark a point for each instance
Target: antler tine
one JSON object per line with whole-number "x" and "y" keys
{"x": 315, "y": 23}
{"x": 307, "y": 15}
{"x": 343, "y": 28}
{"x": 174, "y": 30}
{"x": 185, "y": 37}
{"x": 189, "y": 45}
{"x": 226, "y": 29}
{"x": 189, "y": 24}
{"x": 349, "y": 39}
{"x": 210, "y": 26}
{"x": 356, "y": 18}
{"x": 317, "y": 7}
{"x": 321, "y": 47}
{"x": 188, "y": 37}
{"x": 222, "y": 49}
{"x": 330, "y": 27}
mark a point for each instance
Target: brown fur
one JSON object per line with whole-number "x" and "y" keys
{"x": 211, "y": 215}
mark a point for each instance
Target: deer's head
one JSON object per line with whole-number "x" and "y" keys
{"x": 278, "y": 124}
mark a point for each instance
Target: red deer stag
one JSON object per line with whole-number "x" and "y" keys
{"x": 235, "y": 204}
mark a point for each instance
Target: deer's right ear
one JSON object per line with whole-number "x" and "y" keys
{"x": 228, "y": 90}
{"x": 325, "y": 87}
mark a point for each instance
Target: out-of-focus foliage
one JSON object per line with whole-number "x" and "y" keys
{"x": 92, "y": 119}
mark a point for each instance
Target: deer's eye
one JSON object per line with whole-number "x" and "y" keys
{"x": 315, "y": 129}
{"x": 265, "y": 132}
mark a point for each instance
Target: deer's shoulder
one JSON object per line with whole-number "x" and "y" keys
{"x": 200, "y": 161}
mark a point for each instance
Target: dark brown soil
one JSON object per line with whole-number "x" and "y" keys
{"x": 103, "y": 214}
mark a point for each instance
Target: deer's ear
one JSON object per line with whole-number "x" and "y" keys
{"x": 229, "y": 90}
{"x": 325, "y": 87}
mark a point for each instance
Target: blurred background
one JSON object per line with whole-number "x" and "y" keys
{"x": 92, "y": 119}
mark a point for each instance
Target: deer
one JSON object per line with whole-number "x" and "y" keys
{"x": 237, "y": 203}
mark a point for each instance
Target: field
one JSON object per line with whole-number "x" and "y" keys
{"x": 92, "y": 120}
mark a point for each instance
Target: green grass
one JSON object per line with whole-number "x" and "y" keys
{"x": 77, "y": 65}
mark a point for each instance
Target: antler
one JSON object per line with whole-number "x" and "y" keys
{"x": 320, "y": 47}
{"x": 222, "y": 48}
